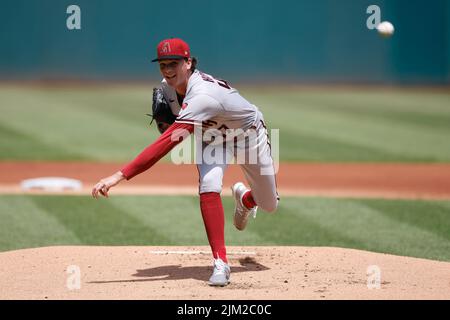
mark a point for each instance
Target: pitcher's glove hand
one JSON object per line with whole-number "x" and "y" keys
{"x": 162, "y": 113}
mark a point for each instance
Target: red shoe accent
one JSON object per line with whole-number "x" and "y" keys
{"x": 248, "y": 201}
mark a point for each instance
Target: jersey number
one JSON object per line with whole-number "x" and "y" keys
{"x": 220, "y": 82}
{"x": 223, "y": 83}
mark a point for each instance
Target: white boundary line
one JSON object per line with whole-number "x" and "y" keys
{"x": 202, "y": 252}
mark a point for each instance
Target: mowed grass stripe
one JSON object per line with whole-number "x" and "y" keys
{"x": 176, "y": 218}
{"x": 99, "y": 222}
{"x": 66, "y": 125}
{"x": 16, "y": 144}
{"x": 422, "y": 109}
{"x": 372, "y": 229}
{"x": 311, "y": 147}
{"x": 388, "y": 226}
{"x": 355, "y": 118}
{"x": 109, "y": 124}
{"x": 179, "y": 218}
{"x": 444, "y": 204}
{"x": 435, "y": 217}
{"x": 288, "y": 227}
{"x": 25, "y": 225}
{"x": 427, "y": 103}
{"x": 426, "y": 121}
{"x": 366, "y": 132}
{"x": 122, "y": 103}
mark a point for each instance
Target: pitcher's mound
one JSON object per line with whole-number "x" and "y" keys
{"x": 181, "y": 273}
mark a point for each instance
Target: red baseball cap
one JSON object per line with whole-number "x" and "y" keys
{"x": 174, "y": 48}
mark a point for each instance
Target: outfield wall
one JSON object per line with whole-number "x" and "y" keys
{"x": 257, "y": 40}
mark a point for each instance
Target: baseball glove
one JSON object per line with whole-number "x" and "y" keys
{"x": 162, "y": 113}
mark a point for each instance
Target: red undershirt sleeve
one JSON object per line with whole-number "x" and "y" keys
{"x": 175, "y": 134}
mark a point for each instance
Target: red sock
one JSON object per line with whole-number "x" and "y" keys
{"x": 248, "y": 201}
{"x": 214, "y": 220}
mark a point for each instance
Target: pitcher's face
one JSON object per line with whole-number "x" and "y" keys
{"x": 176, "y": 72}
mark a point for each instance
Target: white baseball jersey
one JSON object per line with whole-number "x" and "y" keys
{"x": 212, "y": 102}
{"x": 216, "y": 105}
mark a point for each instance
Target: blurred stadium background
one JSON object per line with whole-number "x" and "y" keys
{"x": 323, "y": 41}
{"x": 337, "y": 91}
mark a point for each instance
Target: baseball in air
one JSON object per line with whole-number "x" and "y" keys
{"x": 386, "y": 29}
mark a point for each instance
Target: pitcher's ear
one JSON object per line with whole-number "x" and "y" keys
{"x": 193, "y": 64}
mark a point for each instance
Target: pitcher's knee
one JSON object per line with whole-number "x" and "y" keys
{"x": 205, "y": 189}
{"x": 210, "y": 185}
{"x": 211, "y": 181}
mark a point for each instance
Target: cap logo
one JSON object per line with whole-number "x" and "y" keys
{"x": 165, "y": 47}
{"x": 173, "y": 48}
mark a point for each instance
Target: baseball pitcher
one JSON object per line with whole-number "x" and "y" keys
{"x": 226, "y": 126}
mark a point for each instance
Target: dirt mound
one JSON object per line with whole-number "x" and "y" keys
{"x": 181, "y": 273}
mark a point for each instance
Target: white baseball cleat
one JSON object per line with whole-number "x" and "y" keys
{"x": 221, "y": 274}
{"x": 241, "y": 212}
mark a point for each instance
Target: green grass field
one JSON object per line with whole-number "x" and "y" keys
{"x": 109, "y": 123}
{"x": 411, "y": 228}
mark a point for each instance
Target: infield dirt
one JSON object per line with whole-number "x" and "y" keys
{"x": 257, "y": 272}
{"x": 368, "y": 180}
{"x": 181, "y": 273}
